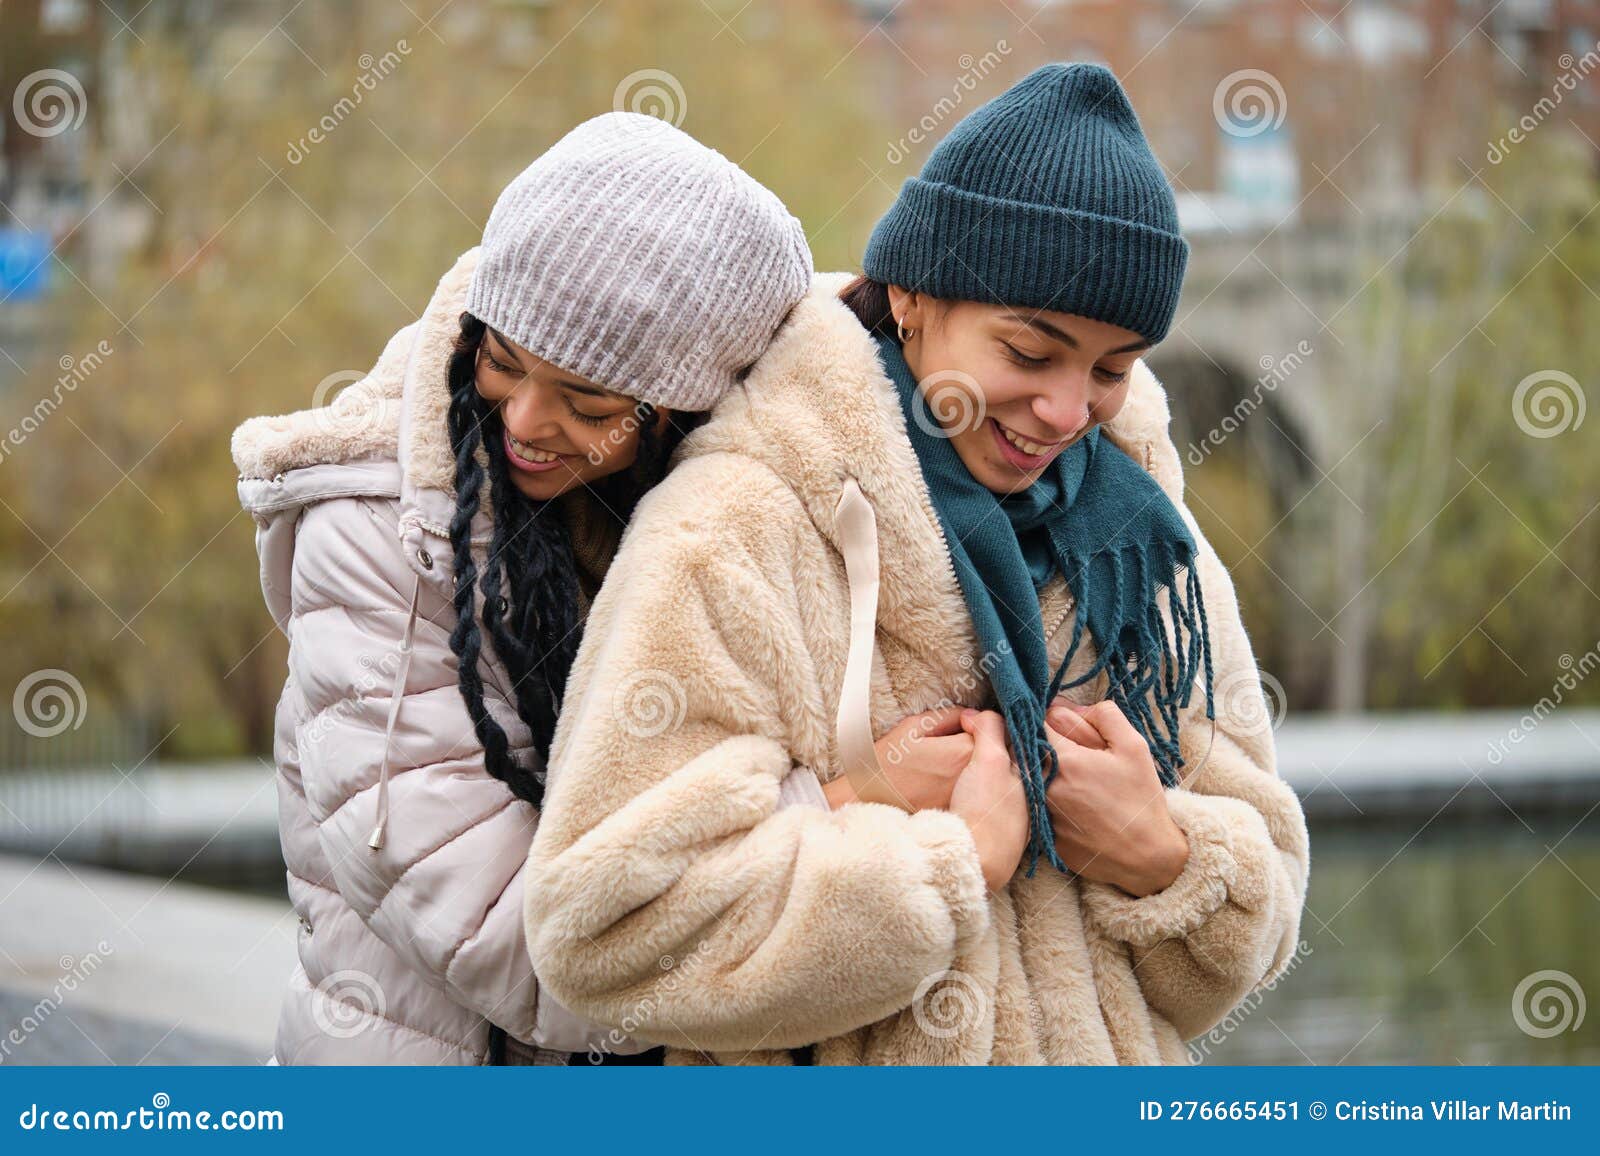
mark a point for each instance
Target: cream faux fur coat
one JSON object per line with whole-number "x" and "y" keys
{"x": 669, "y": 892}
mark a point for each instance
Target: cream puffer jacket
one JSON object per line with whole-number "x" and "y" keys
{"x": 669, "y": 894}
{"x": 408, "y": 950}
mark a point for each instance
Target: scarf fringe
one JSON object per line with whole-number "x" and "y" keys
{"x": 1151, "y": 673}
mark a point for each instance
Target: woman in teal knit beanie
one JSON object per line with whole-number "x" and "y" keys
{"x": 922, "y": 726}
{"x": 1023, "y": 273}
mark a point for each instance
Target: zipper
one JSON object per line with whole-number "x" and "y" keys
{"x": 938, "y": 528}
{"x": 1050, "y": 634}
{"x": 950, "y": 567}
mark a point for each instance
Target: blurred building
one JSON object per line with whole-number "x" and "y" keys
{"x": 1256, "y": 105}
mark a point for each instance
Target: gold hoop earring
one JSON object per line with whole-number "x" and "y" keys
{"x": 902, "y": 332}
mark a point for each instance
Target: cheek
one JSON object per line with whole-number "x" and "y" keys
{"x": 1110, "y": 405}
{"x": 489, "y": 385}
{"x": 1003, "y": 386}
{"x": 606, "y": 450}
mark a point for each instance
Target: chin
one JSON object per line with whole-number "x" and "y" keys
{"x": 1017, "y": 482}
{"x": 1002, "y": 477}
{"x": 542, "y": 489}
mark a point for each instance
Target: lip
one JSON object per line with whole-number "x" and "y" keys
{"x": 525, "y": 466}
{"x": 1027, "y": 463}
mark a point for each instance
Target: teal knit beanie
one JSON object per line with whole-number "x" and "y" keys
{"x": 1047, "y": 197}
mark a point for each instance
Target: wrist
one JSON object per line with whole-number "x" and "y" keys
{"x": 838, "y": 792}
{"x": 1162, "y": 868}
{"x": 998, "y": 865}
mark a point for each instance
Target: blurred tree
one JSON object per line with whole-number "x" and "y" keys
{"x": 1457, "y": 558}
{"x": 263, "y": 258}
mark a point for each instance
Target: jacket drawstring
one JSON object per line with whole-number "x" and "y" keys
{"x": 856, "y": 525}
{"x": 376, "y": 839}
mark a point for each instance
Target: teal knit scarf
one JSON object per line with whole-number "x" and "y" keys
{"x": 1106, "y": 525}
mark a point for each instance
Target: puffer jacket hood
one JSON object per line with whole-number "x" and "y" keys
{"x": 404, "y": 856}
{"x": 801, "y": 603}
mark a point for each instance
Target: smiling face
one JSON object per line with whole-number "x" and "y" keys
{"x": 1012, "y": 388}
{"x": 561, "y": 430}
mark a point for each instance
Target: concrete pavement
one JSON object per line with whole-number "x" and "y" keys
{"x": 100, "y": 966}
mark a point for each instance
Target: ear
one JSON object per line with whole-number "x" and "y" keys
{"x": 906, "y": 305}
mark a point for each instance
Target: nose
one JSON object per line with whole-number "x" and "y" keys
{"x": 528, "y": 414}
{"x": 1064, "y": 408}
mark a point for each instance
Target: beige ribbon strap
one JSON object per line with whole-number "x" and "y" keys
{"x": 856, "y": 524}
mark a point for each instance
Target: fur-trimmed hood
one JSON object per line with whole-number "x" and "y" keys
{"x": 397, "y": 411}
{"x": 403, "y": 851}
{"x": 387, "y": 435}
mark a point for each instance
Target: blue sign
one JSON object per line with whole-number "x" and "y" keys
{"x": 24, "y": 264}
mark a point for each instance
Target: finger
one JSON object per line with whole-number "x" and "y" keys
{"x": 946, "y": 750}
{"x": 1072, "y": 726}
{"x": 988, "y": 731}
{"x": 1112, "y": 725}
{"x": 939, "y": 722}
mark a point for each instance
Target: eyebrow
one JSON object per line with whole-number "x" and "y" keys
{"x": 576, "y": 386}
{"x": 1066, "y": 338}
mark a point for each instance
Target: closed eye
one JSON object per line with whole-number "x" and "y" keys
{"x": 586, "y": 418}
{"x": 494, "y": 362}
{"x": 1022, "y": 358}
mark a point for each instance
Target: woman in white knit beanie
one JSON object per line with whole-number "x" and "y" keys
{"x": 430, "y": 544}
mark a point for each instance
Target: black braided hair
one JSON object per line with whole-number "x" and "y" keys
{"x": 536, "y": 630}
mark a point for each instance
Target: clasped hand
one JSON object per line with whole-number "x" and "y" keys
{"x": 1108, "y": 808}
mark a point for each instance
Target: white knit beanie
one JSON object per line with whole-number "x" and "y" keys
{"x": 633, "y": 255}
